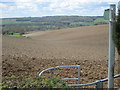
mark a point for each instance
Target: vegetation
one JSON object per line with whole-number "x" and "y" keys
{"x": 117, "y": 41}
{"x": 16, "y": 35}
{"x": 117, "y": 33}
{"x": 26, "y": 82}
{"x": 23, "y": 25}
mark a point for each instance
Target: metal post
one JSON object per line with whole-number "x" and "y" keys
{"x": 51, "y": 74}
{"x": 111, "y": 57}
{"x": 78, "y": 74}
{"x": 99, "y": 85}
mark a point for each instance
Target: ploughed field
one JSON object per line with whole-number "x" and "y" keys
{"x": 85, "y": 46}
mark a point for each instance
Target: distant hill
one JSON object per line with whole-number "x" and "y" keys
{"x": 22, "y": 25}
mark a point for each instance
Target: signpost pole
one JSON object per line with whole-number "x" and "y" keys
{"x": 111, "y": 56}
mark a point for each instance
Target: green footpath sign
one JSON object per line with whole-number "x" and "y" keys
{"x": 106, "y": 14}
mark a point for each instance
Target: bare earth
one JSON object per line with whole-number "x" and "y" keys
{"x": 85, "y": 46}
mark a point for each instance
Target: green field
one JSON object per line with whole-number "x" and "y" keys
{"x": 16, "y": 22}
{"x": 99, "y": 20}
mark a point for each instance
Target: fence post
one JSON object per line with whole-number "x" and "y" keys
{"x": 111, "y": 47}
{"x": 99, "y": 85}
{"x": 78, "y": 74}
{"x": 51, "y": 74}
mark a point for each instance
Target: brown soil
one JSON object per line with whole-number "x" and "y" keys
{"x": 84, "y": 46}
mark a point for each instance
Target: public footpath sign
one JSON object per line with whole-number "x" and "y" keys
{"x": 106, "y": 14}
{"x": 119, "y": 5}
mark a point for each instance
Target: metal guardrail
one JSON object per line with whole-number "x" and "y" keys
{"x": 98, "y": 83}
{"x": 50, "y": 69}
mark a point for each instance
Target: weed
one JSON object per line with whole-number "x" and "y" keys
{"x": 29, "y": 82}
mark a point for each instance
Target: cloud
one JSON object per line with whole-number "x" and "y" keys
{"x": 26, "y": 4}
{"x": 72, "y": 4}
{"x": 3, "y": 5}
{"x": 55, "y": 7}
{"x": 80, "y": 7}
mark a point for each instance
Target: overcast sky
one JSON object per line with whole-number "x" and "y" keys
{"x": 38, "y": 8}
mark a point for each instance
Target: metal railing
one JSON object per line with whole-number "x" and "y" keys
{"x": 50, "y": 69}
{"x": 98, "y": 83}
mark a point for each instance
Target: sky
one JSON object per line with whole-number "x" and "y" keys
{"x": 39, "y": 8}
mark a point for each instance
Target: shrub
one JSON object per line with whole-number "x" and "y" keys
{"x": 117, "y": 33}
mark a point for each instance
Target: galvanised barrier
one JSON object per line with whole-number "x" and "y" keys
{"x": 98, "y": 84}
{"x": 50, "y": 69}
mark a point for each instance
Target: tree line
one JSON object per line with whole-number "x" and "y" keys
{"x": 26, "y": 24}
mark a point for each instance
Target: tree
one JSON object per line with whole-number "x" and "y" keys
{"x": 117, "y": 33}
{"x": 21, "y": 33}
{"x": 117, "y": 40}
